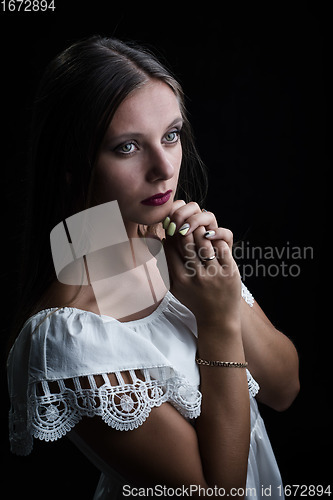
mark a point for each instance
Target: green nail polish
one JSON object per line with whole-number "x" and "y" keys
{"x": 184, "y": 229}
{"x": 171, "y": 229}
{"x": 166, "y": 223}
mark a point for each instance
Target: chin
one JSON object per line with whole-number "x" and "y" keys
{"x": 146, "y": 216}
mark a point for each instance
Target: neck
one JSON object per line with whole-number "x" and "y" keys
{"x": 132, "y": 229}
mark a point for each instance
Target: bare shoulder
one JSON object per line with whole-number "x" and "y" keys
{"x": 60, "y": 295}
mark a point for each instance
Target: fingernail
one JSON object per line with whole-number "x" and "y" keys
{"x": 171, "y": 229}
{"x": 166, "y": 223}
{"x": 184, "y": 229}
{"x": 209, "y": 234}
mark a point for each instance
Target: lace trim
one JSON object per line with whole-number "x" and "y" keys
{"x": 253, "y": 385}
{"x": 54, "y": 408}
{"x": 54, "y": 413}
{"x": 247, "y": 295}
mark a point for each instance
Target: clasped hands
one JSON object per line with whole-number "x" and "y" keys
{"x": 203, "y": 272}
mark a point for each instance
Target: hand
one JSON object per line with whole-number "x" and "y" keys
{"x": 210, "y": 289}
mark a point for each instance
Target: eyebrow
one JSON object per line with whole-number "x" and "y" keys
{"x": 177, "y": 120}
{"x": 133, "y": 135}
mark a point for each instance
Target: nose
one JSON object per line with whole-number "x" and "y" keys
{"x": 161, "y": 164}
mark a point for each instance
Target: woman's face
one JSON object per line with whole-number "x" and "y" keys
{"x": 139, "y": 160}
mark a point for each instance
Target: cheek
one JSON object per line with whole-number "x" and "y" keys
{"x": 115, "y": 180}
{"x": 178, "y": 161}
{"x": 180, "y": 156}
{"x": 106, "y": 185}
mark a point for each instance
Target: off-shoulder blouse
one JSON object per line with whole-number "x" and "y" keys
{"x": 59, "y": 368}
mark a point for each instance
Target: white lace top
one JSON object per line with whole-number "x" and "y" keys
{"x": 58, "y": 372}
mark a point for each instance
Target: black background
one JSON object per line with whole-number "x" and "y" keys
{"x": 257, "y": 87}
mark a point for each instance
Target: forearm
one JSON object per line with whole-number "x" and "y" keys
{"x": 272, "y": 358}
{"x": 223, "y": 427}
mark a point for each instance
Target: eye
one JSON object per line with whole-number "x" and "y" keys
{"x": 126, "y": 149}
{"x": 172, "y": 137}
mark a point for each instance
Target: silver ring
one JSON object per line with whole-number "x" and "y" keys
{"x": 209, "y": 258}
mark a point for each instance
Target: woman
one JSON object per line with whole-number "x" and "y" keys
{"x": 110, "y": 126}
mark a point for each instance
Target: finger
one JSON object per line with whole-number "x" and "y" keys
{"x": 182, "y": 212}
{"x": 221, "y": 239}
{"x": 179, "y": 212}
{"x": 191, "y": 257}
{"x": 168, "y": 226}
{"x": 204, "y": 247}
{"x": 198, "y": 252}
{"x": 225, "y": 258}
{"x": 187, "y": 218}
{"x": 176, "y": 205}
{"x": 183, "y": 261}
{"x": 206, "y": 219}
{"x": 220, "y": 233}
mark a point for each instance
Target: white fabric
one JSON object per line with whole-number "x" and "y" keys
{"x": 53, "y": 371}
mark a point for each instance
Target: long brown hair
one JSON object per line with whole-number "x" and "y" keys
{"x": 75, "y": 102}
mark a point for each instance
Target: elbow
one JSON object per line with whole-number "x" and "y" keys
{"x": 286, "y": 397}
{"x": 287, "y": 391}
{"x": 280, "y": 397}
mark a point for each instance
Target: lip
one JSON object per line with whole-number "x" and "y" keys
{"x": 157, "y": 199}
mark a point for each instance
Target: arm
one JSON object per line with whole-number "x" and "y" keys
{"x": 162, "y": 451}
{"x": 272, "y": 358}
{"x": 224, "y": 423}
{"x": 166, "y": 449}
{"x": 213, "y": 295}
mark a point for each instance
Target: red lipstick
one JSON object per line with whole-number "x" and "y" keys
{"x": 157, "y": 199}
